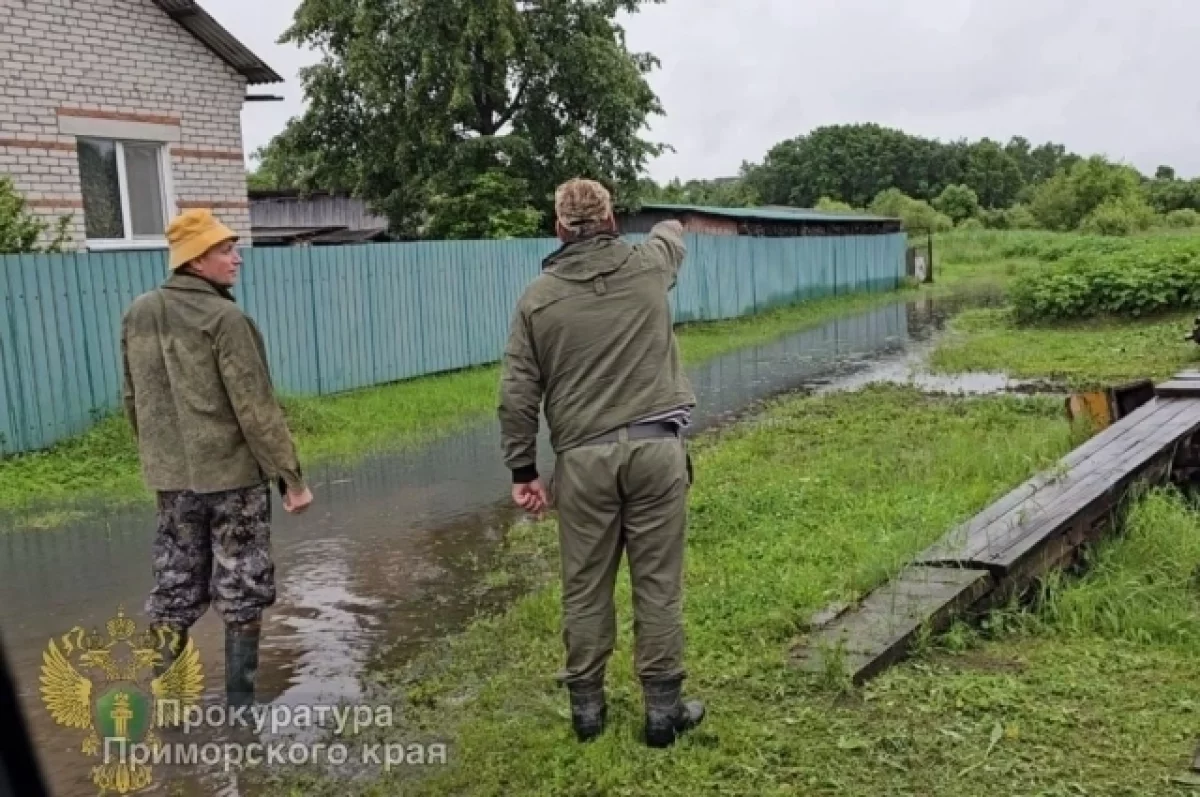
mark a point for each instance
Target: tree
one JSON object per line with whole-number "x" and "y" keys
{"x": 725, "y": 192}
{"x": 416, "y": 97}
{"x": 1166, "y": 196}
{"x": 853, "y": 163}
{"x": 489, "y": 205}
{"x": 993, "y": 174}
{"x": 916, "y": 215}
{"x": 1064, "y": 201}
{"x": 833, "y": 206}
{"x": 1119, "y": 215}
{"x": 1164, "y": 173}
{"x": 958, "y": 202}
{"x": 20, "y": 230}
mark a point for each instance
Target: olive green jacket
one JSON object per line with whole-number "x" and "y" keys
{"x": 198, "y": 392}
{"x": 592, "y": 338}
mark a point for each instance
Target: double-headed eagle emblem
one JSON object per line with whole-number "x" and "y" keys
{"x": 117, "y": 707}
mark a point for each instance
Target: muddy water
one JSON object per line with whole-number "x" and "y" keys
{"x": 395, "y": 549}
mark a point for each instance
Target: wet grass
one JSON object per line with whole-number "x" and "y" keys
{"x": 102, "y": 463}
{"x": 816, "y": 501}
{"x": 1082, "y": 354}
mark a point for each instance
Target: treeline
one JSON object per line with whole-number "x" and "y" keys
{"x": 937, "y": 185}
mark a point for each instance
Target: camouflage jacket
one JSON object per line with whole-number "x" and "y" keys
{"x": 592, "y": 338}
{"x": 198, "y": 392}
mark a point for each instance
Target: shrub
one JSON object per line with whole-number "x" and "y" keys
{"x": 831, "y": 205}
{"x": 1019, "y": 217}
{"x": 1065, "y": 200}
{"x": 20, "y": 230}
{"x": 1183, "y": 218}
{"x": 914, "y": 213}
{"x": 970, "y": 224}
{"x": 959, "y": 202}
{"x": 1121, "y": 216}
{"x": 1153, "y": 275}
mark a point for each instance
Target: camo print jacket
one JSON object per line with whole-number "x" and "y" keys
{"x": 198, "y": 392}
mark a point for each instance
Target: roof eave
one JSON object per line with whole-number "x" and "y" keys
{"x": 220, "y": 41}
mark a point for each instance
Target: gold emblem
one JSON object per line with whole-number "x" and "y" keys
{"x": 118, "y": 703}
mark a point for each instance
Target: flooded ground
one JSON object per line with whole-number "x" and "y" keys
{"x": 395, "y": 549}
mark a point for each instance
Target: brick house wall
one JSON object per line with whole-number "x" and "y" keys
{"x": 120, "y": 69}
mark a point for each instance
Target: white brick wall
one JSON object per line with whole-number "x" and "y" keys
{"x": 110, "y": 57}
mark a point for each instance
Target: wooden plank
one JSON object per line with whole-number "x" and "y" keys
{"x": 878, "y": 633}
{"x": 962, "y": 544}
{"x": 1092, "y": 513}
{"x": 1179, "y": 388}
{"x": 1092, "y": 485}
{"x": 1082, "y": 493}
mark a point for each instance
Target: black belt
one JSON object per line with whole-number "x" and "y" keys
{"x": 637, "y": 431}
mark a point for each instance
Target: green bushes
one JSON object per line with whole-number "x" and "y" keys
{"x": 1131, "y": 279}
{"x": 958, "y": 202}
{"x": 915, "y": 214}
{"x": 1119, "y": 216}
{"x": 1183, "y": 218}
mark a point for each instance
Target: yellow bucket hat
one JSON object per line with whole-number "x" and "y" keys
{"x": 194, "y": 232}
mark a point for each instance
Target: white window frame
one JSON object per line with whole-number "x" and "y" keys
{"x": 166, "y": 185}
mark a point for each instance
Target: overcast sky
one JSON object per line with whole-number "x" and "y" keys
{"x": 1102, "y": 76}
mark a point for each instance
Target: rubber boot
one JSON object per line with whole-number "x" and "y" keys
{"x": 667, "y": 715}
{"x": 589, "y": 709}
{"x": 241, "y": 662}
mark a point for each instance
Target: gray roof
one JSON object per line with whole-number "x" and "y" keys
{"x": 200, "y": 24}
{"x": 773, "y": 213}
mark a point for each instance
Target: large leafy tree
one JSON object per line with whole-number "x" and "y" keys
{"x": 417, "y": 102}
{"x": 854, "y": 163}
{"x": 993, "y": 174}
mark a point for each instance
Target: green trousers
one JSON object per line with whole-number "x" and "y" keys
{"x": 623, "y": 497}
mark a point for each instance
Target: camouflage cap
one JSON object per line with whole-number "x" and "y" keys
{"x": 578, "y": 202}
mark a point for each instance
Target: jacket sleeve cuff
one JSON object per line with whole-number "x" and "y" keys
{"x": 292, "y": 480}
{"x": 525, "y": 474}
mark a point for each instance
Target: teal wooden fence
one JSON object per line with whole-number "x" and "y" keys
{"x": 340, "y": 318}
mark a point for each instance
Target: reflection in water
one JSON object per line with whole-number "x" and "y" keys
{"x": 394, "y": 549}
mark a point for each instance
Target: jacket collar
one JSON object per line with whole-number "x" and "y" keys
{"x": 588, "y": 258}
{"x": 180, "y": 281}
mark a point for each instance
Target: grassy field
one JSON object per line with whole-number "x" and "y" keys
{"x": 1081, "y": 354}
{"x": 102, "y": 463}
{"x": 817, "y": 500}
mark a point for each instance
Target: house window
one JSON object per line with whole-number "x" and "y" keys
{"x": 125, "y": 191}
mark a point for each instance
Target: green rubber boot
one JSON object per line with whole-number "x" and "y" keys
{"x": 241, "y": 662}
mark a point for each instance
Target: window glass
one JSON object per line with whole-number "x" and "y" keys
{"x": 101, "y": 188}
{"x": 144, "y": 178}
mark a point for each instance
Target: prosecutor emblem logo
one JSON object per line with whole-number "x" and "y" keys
{"x": 109, "y": 688}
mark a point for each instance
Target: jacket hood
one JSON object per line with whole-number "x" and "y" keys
{"x": 583, "y": 261}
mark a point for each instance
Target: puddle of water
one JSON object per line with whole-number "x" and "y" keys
{"x": 395, "y": 549}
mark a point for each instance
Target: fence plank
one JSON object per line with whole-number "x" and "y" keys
{"x": 340, "y": 318}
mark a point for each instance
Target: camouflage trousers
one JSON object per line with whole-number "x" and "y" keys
{"x": 212, "y": 549}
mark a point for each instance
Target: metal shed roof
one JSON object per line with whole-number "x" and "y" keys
{"x": 768, "y": 213}
{"x": 200, "y": 24}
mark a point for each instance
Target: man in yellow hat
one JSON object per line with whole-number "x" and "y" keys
{"x": 212, "y": 437}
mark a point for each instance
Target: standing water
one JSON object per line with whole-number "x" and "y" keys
{"x": 394, "y": 549}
